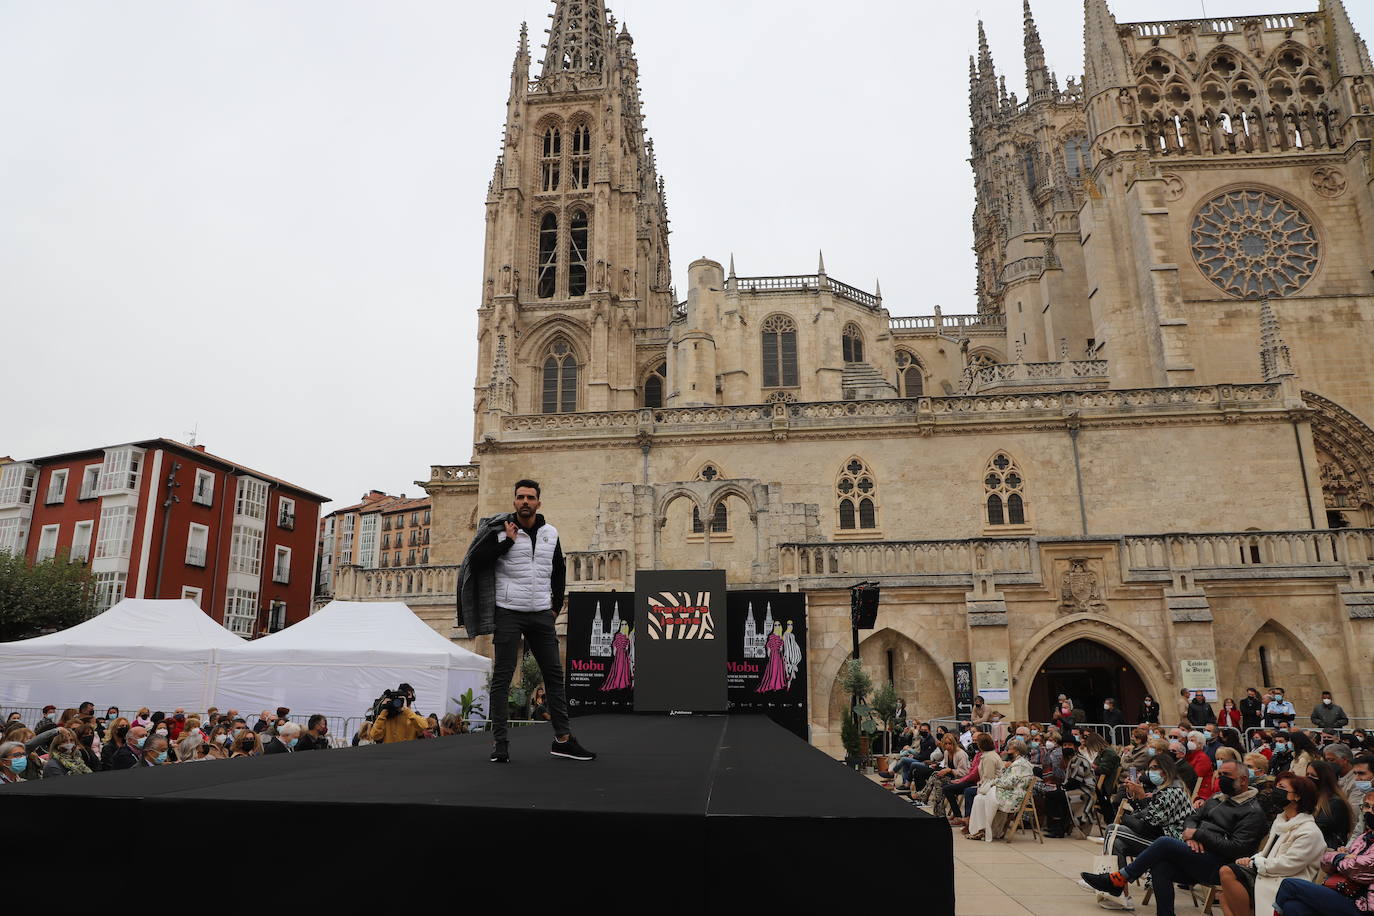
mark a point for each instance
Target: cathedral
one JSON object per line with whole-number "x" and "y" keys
{"x": 1144, "y": 463}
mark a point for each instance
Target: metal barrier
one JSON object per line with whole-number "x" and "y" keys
{"x": 29, "y": 715}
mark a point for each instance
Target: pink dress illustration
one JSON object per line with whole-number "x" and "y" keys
{"x": 621, "y": 674}
{"x": 775, "y": 675}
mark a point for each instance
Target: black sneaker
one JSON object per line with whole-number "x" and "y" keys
{"x": 500, "y": 752}
{"x": 1101, "y": 882}
{"x": 571, "y": 749}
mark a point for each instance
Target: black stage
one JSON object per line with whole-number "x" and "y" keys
{"x": 702, "y": 812}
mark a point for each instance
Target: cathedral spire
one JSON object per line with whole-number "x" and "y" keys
{"x": 1037, "y": 74}
{"x": 1102, "y": 64}
{"x": 985, "y": 67}
{"x": 1275, "y": 361}
{"x": 520, "y": 67}
{"x": 577, "y": 38}
{"x": 1349, "y": 49}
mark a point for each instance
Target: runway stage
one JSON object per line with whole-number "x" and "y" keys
{"x": 699, "y": 812}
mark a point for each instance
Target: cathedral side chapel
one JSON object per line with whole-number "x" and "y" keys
{"x": 1148, "y": 446}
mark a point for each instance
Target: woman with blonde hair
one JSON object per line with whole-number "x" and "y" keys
{"x": 247, "y": 744}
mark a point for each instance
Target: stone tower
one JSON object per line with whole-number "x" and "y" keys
{"x": 576, "y": 259}
{"x": 1030, "y": 161}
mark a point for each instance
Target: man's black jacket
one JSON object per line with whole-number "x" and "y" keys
{"x": 1230, "y": 828}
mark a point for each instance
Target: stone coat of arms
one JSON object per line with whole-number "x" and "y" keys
{"x": 1080, "y": 589}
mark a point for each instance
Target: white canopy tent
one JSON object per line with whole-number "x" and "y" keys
{"x": 340, "y": 659}
{"x": 140, "y": 652}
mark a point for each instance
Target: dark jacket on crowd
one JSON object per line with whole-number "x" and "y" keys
{"x": 1251, "y": 712}
{"x": 1187, "y": 774}
{"x": 1112, "y": 717}
{"x": 1334, "y": 822}
{"x": 124, "y": 759}
{"x": 1329, "y": 716}
{"x": 1200, "y": 713}
{"x": 1230, "y": 827}
{"x": 309, "y": 742}
{"x": 924, "y": 745}
{"x": 107, "y": 752}
{"x": 275, "y": 745}
{"x": 1149, "y": 712}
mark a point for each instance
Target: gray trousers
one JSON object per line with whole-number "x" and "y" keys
{"x": 537, "y": 628}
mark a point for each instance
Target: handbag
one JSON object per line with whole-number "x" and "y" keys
{"x": 1344, "y": 886}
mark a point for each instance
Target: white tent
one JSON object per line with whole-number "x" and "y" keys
{"x": 340, "y": 659}
{"x": 140, "y": 652}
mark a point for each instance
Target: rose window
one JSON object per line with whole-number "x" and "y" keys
{"x": 1254, "y": 245}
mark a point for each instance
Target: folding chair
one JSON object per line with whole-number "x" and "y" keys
{"x": 1026, "y": 808}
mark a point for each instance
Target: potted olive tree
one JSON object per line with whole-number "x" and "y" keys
{"x": 854, "y": 680}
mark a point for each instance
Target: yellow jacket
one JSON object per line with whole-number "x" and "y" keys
{"x": 406, "y": 726}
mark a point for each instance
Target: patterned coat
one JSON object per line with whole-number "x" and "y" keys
{"x": 1011, "y": 784}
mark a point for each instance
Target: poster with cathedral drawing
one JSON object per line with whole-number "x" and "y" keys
{"x": 766, "y": 670}
{"x": 600, "y": 670}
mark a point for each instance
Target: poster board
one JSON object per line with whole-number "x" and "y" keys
{"x": 680, "y": 640}
{"x": 994, "y": 683}
{"x": 1200, "y": 674}
{"x": 963, "y": 689}
{"x": 766, "y": 669}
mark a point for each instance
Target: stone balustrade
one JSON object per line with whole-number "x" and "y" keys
{"x": 1250, "y": 550}
{"x": 990, "y": 321}
{"x": 1065, "y": 373}
{"x": 596, "y": 569}
{"x": 906, "y": 558}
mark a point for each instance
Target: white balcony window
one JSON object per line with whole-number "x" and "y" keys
{"x": 90, "y": 482}
{"x": 109, "y": 589}
{"x": 281, "y": 566}
{"x": 16, "y": 484}
{"x": 14, "y": 534}
{"x": 204, "y": 493}
{"x": 245, "y": 550}
{"x": 120, "y": 472}
{"x": 81, "y": 542}
{"x": 47, "y": 543}
{"x": 251, "y": 500}
{"x": 116, "y": 532}
{"x": 241, "y": 611}
{"x": 197, "y": 538}
{"x": 367, "y": 541}
{"x": 57, "y": 487}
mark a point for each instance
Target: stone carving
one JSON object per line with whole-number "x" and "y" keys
{"x": 1080, "y": 590}
{"x": 1328, "y": 181}
{"x": 505, "y": 280}
{"x": 1173, "y": 186}
{"x": 1252, "y": 244}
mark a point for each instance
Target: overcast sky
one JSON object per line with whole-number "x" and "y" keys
{"x": 264, "y": 218}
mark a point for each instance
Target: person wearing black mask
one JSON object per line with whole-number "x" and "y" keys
{"x": 1251, "y": 710}
{"x": 1200, "y": 711}
{"x": 1352, "y": 864}
{"x": 1149, "y": 711}
{"x": 1228, "y": 827}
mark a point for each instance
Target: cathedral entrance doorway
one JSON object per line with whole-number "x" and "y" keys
{"x": 1087, "y": 672}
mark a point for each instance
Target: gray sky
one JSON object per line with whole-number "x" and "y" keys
{"x": 265, "y": 217}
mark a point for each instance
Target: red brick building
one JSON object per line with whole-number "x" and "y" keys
{"x": 161, "y": 519}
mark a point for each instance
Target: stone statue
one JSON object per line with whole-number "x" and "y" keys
{"x": 627, "y": 287}
{"x": 1126, "y": 102}
{"x": 505, "y": 280}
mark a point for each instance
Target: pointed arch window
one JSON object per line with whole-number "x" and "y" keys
{"x": 910, "y": 379}
{"x": 1078, "y": 157}
{"x": 581, "y": 163}
{"x": 779, "y": 352}
{"x": 551, "y": 159}
{"x": 548, "y": 256}
{"x": 857, "y": 492}
{"x": 852, "y": 344}
{"x": 1004, "y": 491}
{"x": 560, "y": 379}
{"x": 654, "y": 385}
{"x": 577, "y": 253}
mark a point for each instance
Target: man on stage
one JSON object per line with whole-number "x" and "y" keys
{"x": 511, "y": 585}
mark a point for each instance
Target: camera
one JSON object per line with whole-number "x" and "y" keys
{"x": 391, "y": 701}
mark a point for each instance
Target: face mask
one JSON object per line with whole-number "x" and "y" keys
{"x": 1035, "y": 744}
{"x": 1228, "y": 786}
{"x": 220, "y": 739}
{"x": 1369, "y": 820}
{"x": 138, "y": 742}
{"x": 1364, "y": 785}
{"x": 1251, "y": 771}
{"x": 20, "y": 764}
{"x": 1156, "y": 777}
{"x": 1281, "y": 747}
{"x": 1192, "y": 745}
{"x": 1035, "y": 731}
{"x": 1326, "y": 701}
{"x": 67, "y": 748}
{"x": 292, "y": 742}
{"x": 162, "y": 757}
{"x": 162, "y": 732}
{"x": 1151, "y": 751}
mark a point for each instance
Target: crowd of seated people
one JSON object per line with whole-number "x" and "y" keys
{"x": 1248, "y": 805}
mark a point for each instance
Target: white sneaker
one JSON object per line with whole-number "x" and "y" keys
{"x": 1108, "y": 902}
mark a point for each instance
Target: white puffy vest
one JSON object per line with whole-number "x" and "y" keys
{"x": 523, "y": 576}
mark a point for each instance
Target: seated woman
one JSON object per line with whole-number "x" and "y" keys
{"x": 1258, "y": 765}
{"x": 1294, "y": 848}
{"x": 1159, "y": 803}
{"x": 1106, "y": 762}
{"x": 1333, "y": 809}
{"x": 1346, "y": 875}
{"x": 64, "y": 758}
{"x": 1006, "y": 792}
{"x": 979, "y": 781}
{"x": 954, "y": 765}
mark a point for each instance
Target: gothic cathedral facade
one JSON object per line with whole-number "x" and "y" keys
{"x": 1145, "y": 455}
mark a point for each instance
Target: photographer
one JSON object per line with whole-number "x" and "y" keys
{"x": 397, "y": 721}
